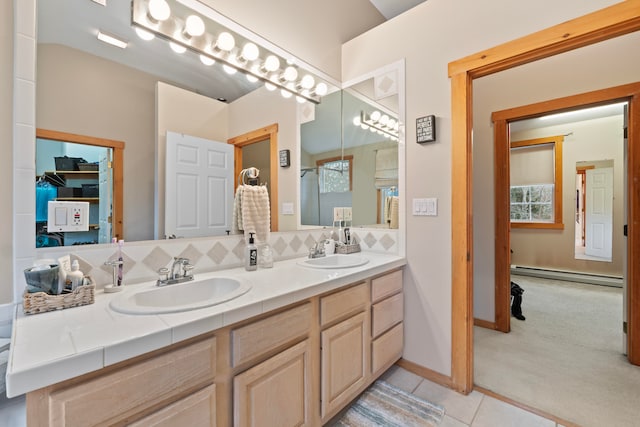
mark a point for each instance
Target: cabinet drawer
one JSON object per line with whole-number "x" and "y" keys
{"x": 118, "y": 395}
{"x": 387, "y": 349}
{"x": 343, "y": 303}
{"x": 257, "y": 338}
{"x": 199, "y": 409}
{"x": 387, "y": 313}
{"x": 386, "y": 285}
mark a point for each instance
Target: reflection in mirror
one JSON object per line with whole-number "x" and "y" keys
{"x": 354, "y": 166}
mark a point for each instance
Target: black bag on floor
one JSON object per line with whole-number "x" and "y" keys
{"x": 516, "y": 301}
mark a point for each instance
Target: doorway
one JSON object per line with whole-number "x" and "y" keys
{"x": 502, "y": 173}
{"x": 263, "y": 137}
{"x": 616, "y": 20}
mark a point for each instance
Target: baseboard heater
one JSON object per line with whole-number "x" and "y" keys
{"x": 569, "y": 276}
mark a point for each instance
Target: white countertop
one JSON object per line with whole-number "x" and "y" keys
{"x": 51, "y": 347}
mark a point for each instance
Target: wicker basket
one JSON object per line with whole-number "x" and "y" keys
{"x": 41, "y": 302}
{"x": 348, "y": 249}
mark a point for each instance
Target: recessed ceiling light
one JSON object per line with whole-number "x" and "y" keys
{"x": 111, "y": 39}
{"x": 100, "y": 2}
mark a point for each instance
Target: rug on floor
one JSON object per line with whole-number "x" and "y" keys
{"x": 385, "y": 405}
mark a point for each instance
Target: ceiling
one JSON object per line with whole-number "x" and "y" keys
{"x": 75, "y": 23}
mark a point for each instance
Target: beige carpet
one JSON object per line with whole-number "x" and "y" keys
{"x": 566, "y": 358}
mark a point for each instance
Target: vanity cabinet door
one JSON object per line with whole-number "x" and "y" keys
{"x": 276, "y": 392}
{"x": 345, "y": 355}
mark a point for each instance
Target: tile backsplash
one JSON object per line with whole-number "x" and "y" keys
{"x": 143, "y": 259}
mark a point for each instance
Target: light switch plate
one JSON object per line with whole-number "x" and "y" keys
{"x": 425, "y": 207}
{"x": 287, "y": 208}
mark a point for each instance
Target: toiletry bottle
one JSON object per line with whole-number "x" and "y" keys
{"x": 75, "y": 276}
{"x": 251, "y": 255}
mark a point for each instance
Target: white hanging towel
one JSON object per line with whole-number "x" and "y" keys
{"x": 256, "y": 212}
{"x": 236, "y": 223}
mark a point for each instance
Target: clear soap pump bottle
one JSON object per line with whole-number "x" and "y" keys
{"x": 251, "y": 255}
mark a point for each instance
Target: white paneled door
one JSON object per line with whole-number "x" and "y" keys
{"x": 199, "y": 186}
{"x": 599, "y": 213}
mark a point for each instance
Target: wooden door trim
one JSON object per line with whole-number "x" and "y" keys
{"x": 616, "y": 20}
{"x": 501, "y": 188}
{"x": 117, "y": 167}
{"x": 269, "y": 132}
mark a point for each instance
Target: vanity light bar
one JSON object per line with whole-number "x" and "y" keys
{"x": 369, "y": 121}
{"x": 172, "y": 30}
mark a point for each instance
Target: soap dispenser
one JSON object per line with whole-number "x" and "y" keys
{"x": 251, "y": 255}
{"x": 75, "y": 277}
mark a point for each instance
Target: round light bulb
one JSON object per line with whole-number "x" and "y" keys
{"x": 194, "y": 26}
{"x": 229, "y": 69}
{"x": 290, "y": 74}
{"x": 364, "y": 126}
{"x": 391, "y": 123}
{"x": 300, "y": 100}
{"x": 285, "y": 93}
{"x": 250, "y": 51}
{"x": 356, "y": 121}
{"x": 251, "y": 78}
{"x": 225, "y": 41}
{"x": 177, "y": 48}
{"x": 321, "y": 89}
{"x": 272, "y": 63}
{"x": 307, "y": 82}
{"x": 206, "y": 60}
{"x": 384, "y": 120}
{"x": 270, "y": 86}
{"x": 144, "y": 34}
{"x": 375, "y": 116}
{"x": 159, "y": 10}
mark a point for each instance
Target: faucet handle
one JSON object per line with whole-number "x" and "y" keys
{"x": 188, "y": 270}
{"x": 163, "y": 273}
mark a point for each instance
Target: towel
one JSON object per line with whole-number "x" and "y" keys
{"x": 236, "y": 224}
{"x": 391, "y": 211}
{"x": 255, "y": 212}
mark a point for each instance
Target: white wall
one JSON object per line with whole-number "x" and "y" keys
{"x": 429, "y": 37}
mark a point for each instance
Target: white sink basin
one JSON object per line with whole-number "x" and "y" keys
{"x": 334, "y": 261}
{"x": 180, "y": 296}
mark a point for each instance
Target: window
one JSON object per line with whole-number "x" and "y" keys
{"x": 532, "y": 203}
{"x": 536, "y": 183}
{"x": 335, "y": 174}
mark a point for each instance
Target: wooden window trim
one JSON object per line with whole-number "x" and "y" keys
{"x": 333, "y": 159}
{"x": 557, "y": 141}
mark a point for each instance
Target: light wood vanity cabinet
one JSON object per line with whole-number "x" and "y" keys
{"x": 296, "y": 366}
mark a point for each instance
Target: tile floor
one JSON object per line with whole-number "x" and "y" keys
{"x": 473, "y": 410}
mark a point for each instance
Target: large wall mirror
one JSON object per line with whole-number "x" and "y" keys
{"x": 90, "y": 88}
{"x": 349, "y": 156}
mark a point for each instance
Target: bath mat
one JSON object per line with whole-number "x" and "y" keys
{"x": 385, "y": 405}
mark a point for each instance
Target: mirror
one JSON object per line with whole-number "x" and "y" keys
{"x": 345, "y": 164}
{"x": 89, "y": 88}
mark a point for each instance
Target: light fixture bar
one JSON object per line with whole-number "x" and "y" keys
{"x": 171, "y": 28}
{"x": 111, "y": 39}
{"x": 367, "y": 120}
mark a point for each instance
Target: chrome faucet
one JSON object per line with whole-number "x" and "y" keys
{"x": 181, "y": 271}
{"x": 317, "y": 251}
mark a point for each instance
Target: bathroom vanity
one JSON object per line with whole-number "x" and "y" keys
{"x": 295, "y": 350}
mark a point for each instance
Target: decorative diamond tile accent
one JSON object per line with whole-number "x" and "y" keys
{"x": 309, "y": 242}
{"x": 387, "y": 242}
{"x": 217, "y": 253}
{"x": 191, "y": 253}
{"x": 370, "y": 240}
{"x": 280, "y": 246}
{"x": 238, "y": 249}
{"x": 295, "y": 243}
{"x": 157, "y": 259}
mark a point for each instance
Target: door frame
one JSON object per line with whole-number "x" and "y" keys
{"x": 613, "y": 21}
{"x": 269, "y": 132}
{"x": 117, "y": 167}
{"x": 501, "y": 120}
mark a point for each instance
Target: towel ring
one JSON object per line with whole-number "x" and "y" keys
{"x": 249, "y": 173}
